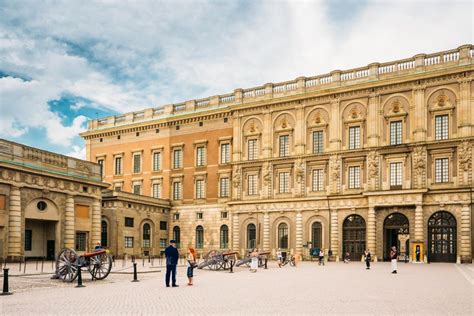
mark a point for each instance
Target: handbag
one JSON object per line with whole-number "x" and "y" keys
{"x": 192, "y": 264}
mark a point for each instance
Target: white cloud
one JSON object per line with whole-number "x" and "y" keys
{"x": 77, "y": 152}
{"x": 130, "y": 55}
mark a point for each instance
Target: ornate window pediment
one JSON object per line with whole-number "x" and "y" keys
{"x": 442, "y": 102}
{"x": 284, "y": 123}
{"x": 252, "y": 127}
{"x": 354, "y": 114}
{"x": 317, "y": 120}
{"x": 396, "y": 109}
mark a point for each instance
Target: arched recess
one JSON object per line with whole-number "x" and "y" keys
{"x": 279, "y": 233}
{"x": 177, "y": 236}
{"x": 396, "y": 232}
{"x": 105, "y": 232}
{"x": 147, "y": 234}
{"x": 251, "y": 145}
{"x": 353, "y": 236}
{"x": 396, "y": 125}
{"x": 354, "y": 125}
{"x": 199, "y": 237}
{"x": 442, "y": 114}
{"x": 283, "y": 134}
{"x": 224, "y": 237}
{"x": 317, "y": 132}
{"x": 442, "y": 237}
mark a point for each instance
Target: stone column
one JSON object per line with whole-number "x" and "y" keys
{"x": 371, "y": 231}
{"x": 419, "y": 234}
{"x": 334, "y": 235}
{"x": 69, "y": 218}
{"x": 373, "y": 134}
{"x": 300, "y": 135}
{"x": 299, "y": 233}
{"x": 267, "y": 134}
{"x": 466, "y": 256}
{"x": 465, "y": 109}
{"x": 266, "y": 231}
{"x": 237, "y": 138}
{"x": 14, "y": 224}
{"x": 335, "y": 132}
{"x": 96, "y": 218}
{"x": 235, "y": 232}
{"x": 419, "y": 126}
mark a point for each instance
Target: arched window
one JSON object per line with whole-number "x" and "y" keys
{"x": 199, "y": 237}
{"x": 177, "y": 236}
{"x": 251, "y": 236}
{"x": 316, "y": 235}
{"x": 353, "y": 236}
{"x": 442, "y": 235}
{"x": 283, "y": 236}
{"x": 224, "y": 237}
{"x": 146, "y": 235}
{"x": 104, "y": 234}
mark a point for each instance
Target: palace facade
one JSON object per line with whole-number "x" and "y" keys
{"x": 370, "y": 157}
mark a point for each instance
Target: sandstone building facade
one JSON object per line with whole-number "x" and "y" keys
{"x": 370, "y": 157}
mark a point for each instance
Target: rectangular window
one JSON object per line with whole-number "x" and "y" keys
{"x": 176, "y": 191}
{"x": 199, "y": 215}
{"x": 81, "y": 241}
{"x": 118, "y": 165}
{"x": 156, "y": 161}
{"x": 163, "y": 242}
{"x": 224, "y": 215}
{"x": 284, "y": 145}
{"x": 225, "y": 153}
{"x": 396, "y": 175}
{"x": 101, "y": 164}
{"x": 128, "y": 221}
{"x": 128, "y": 242}
{"x": 157, "y": 190}
{"x": 200, "y": 189}
{"x": 200, "y": 156}
{"x": 354, "y": 177}
{"x": 118, "y": 187}
{"x": 396, "y": 133}
{"x": 442, "y": 170}
{"x": 137, "y": 159}
{"x": 441, "y": 127}
{"x": 176, "y": 216}
{"x": 317, "y": 142}
{"x": 354, "y": 137}
{"x": 28, "y": 239}
{"x": 177, "y": 159}
{"x": 137, "y": 188}
{"x": 163, "y": 225}
{"x": 284, "y": 182}
{"x": 317, "y": 180}
{"x": 252, "y": 184}
{"x": 224, "y": 187}
{"x": 252, "y": 149}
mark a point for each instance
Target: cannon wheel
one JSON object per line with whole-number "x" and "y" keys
{"x": 213, "y": 260}
{"x": 227, "y": 259}
{"x": 100, "y": 266}
{"x": 66, "y": 265}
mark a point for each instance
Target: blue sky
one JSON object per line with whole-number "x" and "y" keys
{"x": 64, "y": 62}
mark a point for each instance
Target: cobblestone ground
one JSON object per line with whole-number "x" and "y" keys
{"x": 337, "y": 288}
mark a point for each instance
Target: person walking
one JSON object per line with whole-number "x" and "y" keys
{"x": 279, "y": 257}
{"x": 191, "y": 259}
{"x": 321, "y": 257}
{"x": 368, "y": 258}
{"x": 172, "y": 257}
{"x": 393, "y": 258}
{"x": 254, "y": 260}
{"x": 347, "y": 257}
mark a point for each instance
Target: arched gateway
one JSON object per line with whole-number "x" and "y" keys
{"x": 396, "y": 233}
{"x": 353, "y": 236}
{"x": 442, "y": 234}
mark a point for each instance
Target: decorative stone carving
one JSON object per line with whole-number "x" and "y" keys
{"x": 419, "y": 167}
{"x": 84, "y": 167}
{"x": 334, "y": 174}
{"x": 267, "y": 179}
{"x": 373, "y": 170}
{"x": 236, "y": 178}
{"x": 465, "y": 163}
{"x": 299, "y": 177}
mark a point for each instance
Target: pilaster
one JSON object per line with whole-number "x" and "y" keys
{"x": 299, "y": 233}
{"x": 371, "y": 231}
{"x": 466, "y": 256}
{"x": 235, "y": 232}
{"x": 334, "y": 235}
{"x": 69, "y": 226}
{"x": 419, "y": 130}
{"x": 373, "y": 130}
{"x": 96, "y": 218}
{"x": 419, "y": 234}
{"x": 15, "y": 248}
{"x": 266, "y": 231}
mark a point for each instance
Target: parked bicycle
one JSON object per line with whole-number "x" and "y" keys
{"x": 285, "y": 259}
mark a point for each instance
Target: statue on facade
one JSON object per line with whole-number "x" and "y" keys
{"x": 236, "y": 177}
{"x": 299, "y": 171}
{"x": 419, "y": 161}
{"x": 464, "y": 156}
{"x": 373, "y": 165}
{"x": 267, "y": 175}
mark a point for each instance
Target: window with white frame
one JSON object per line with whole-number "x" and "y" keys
{"x": 177, "y": 158}
{"x": 224, "y": 187}
{"x": 354, "y": 177}
{"x": 118, "y": 166}
{"x": 396, "y": 133}
{"x": 252, "y": 149}
{"x": 137, "y": 188}
{"x": 137, "y": 160}
{"x": 118, "y": 186}
{"x": 318, "y": 142}
{"x": 441, "y": 127}
{"x": 354, "y": 137}
{"x": 318, "y": 180}
{"x": 157, "y": 190}
{"x": 156, "y": 161}
{"x": 396, "y": 175}
{"x": 252, "y": 184}
{"x": 102, "y": 167}
{"x": 128, "y": 242}
{"x": 284, "y": 182}
{"x": 284, "y": 141}
{"x": 200, "y": 189}
{"x": 177, "y": 190}
{"x": 200, "y": 156}
{"x": 441, "y": 170}
{"x": 225, "y": 153}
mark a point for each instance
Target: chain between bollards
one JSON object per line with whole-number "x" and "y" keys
{"x": 79, "y": 278}
{"x": 5, "y": 283}
{"x": 135, "y": 276}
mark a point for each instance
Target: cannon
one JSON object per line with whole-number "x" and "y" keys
{"x": 217, "y": 260}
{"x": 68, "y": 263}
{"x": 261, "y": 260}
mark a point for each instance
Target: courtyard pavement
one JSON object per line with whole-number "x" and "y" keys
{"x": 309, "y": 289}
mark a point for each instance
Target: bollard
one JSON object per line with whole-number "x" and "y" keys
{"x": 36, "y": 263}
{"x": 19, "y": 263}
{"x": 143, "y": 261}
{"x": 24, "y": 265}
{"x": 231, "y": 265}
{"x": 79, "y": 278}
{"x": 5, "y": 283}
{"x": 135, "y": 277}
{"x": 266, "y": 261}
{"x": 149, "y": 258}
{"x": 42, "y": 264}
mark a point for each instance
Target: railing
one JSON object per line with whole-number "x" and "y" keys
{"x": 374, "y": 71}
